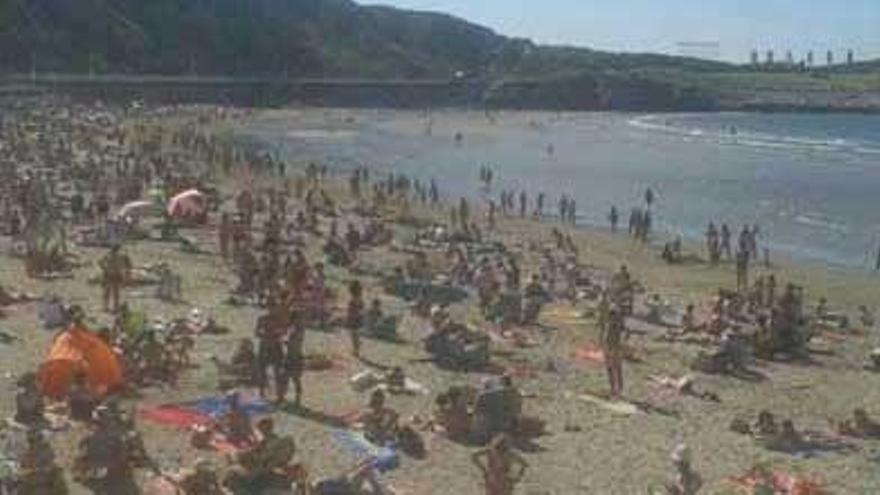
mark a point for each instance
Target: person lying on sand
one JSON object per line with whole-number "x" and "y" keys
{"x": 860, "y": 426}
{"x": 684, "y": 386}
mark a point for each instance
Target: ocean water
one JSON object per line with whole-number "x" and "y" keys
{"x": 810, "y": 182}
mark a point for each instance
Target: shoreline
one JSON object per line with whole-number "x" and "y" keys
{"x": 303, "y": 128}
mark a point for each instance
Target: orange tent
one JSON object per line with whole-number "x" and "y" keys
{"x": 79, "y": 350}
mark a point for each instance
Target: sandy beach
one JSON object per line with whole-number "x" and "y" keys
{"x": 587, "y": 449}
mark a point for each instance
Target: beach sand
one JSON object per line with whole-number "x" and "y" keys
{"x": 611, "y": 454}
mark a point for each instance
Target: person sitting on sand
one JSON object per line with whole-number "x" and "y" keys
{"x": 787, "y": 440}
{"x": 235, "y": 425}
{"x": 103, "y": 452}
{"x": 201, "y": 479}
{"x": 497, "y": 464}
{"x": 452, "y": 414}
{"x": 686, "y": 481}
{"x": 418, "y": 267}
{"x": 336, "y": 252}
{"x": 688, "y": 320}
{"x": 81, "y": 401}
{"x": 866, "y": 317}
{"x": 860, "y": 426}
{"x": 241, "y": 370}
{"x": 264, "y": 466}
{"x": 29, "y": 405}
{"x": 395, "y": 380}
{"x": 377, "y": 324}
{"x": 153, "y": 362}
{"x": 40, "y": 474}
{"x": 8, "y": 298}
{"x": 498, "y": 408}
{"x": 378, "y": 421}
{"x": 536, "y": 296}
{"x": 350, "y": 483}
{"x": 765, "y": 426}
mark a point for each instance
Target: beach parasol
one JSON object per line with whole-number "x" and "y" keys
{"x": 187, "y": 204}
{"x": 135, "y": 209}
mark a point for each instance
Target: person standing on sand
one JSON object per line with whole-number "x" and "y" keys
{"x": 269, "y": 331}
{"x": 115, "y": 268}
{"x": 742, "y": 271}
{"x": 563, "y": 208}
{"x": 611, "y": 339}
{"x": 464, "y": 212}
{"x": 613, "y": 217}
{"x": 497, "y": 464}
{"x": 771, "y": 292}
{"x": 712, "y": 243}
{"x": 294, "y": 360}
{"x": 224, "y": 234}
{"x": 523, "y": 204}
{"x": 354, "y": 317}
{"x": 539, "y": 206}
{"x": 725, "y": 241}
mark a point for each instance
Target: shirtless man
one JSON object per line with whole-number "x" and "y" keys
{"x": 225, "y": 234}
{"x": 115, "y": 268}
{"x": 611, "y": 339}
{"x": 294, "y": 360}
{"x": 497, "y": 464}
{"x": 270, "y": 331}
{"x": 354, "y": 317}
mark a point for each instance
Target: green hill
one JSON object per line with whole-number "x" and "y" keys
{"x": 275, "y": 37}
{"x": 339, "y": 38}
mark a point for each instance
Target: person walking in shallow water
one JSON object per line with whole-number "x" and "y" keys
{"x": 613, "y": 217}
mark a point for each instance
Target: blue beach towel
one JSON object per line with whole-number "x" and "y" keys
{"x": 384, "y": 458}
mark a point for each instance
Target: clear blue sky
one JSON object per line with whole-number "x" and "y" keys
{"x": 660, "y": 25}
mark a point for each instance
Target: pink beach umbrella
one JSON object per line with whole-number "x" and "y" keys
{"x": 189, "y": 203}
